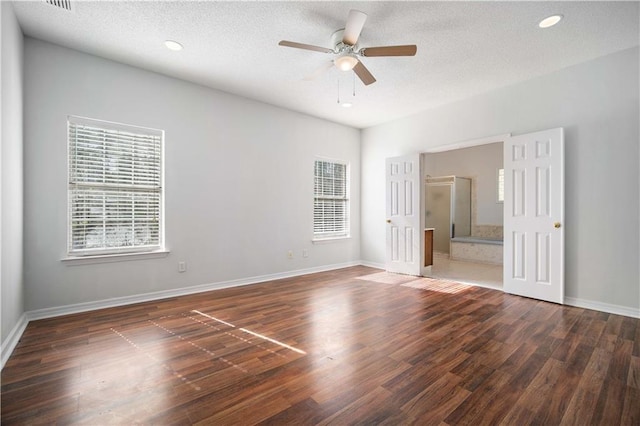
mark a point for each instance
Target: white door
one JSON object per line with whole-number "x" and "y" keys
{"x": 534, "y": 215}
{"x": 404, "y": 216}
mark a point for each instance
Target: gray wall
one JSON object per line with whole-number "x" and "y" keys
{"x": 238, "y": 175}
{"x": 480, "y": 163}
{"x": 597, "y": 103}
{"x": 11, "y": 255}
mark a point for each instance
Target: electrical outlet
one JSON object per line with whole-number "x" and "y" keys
{"x": 290, "y": 254}
{"x": 305, "y": 253}
{"x": 182, "y": 266}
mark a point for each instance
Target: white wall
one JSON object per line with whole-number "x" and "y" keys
{"x": 480, "y": 163}
{"x": 597, "y": 103}
{"x": 239, "y": 179}
{"x": 11, "y": 257}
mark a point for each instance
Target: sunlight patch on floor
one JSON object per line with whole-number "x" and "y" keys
{"x": 253, "y": 333}
{"x": 387, "y": 278}
{"x": 440, "y": 286}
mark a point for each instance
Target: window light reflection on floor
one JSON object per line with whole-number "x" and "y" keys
{"x": 268, "y": 339}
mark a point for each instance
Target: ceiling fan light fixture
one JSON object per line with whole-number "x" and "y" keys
{"x": 346, "y": 104}
{"x": 346, "y": 62}
{"x": 550, "y": 21}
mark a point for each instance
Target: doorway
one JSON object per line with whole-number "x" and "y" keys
{"x": 532, "y": 211}
{"x": 463, "y": 207}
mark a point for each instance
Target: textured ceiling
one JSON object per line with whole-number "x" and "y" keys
{"x": 464, "y": 48}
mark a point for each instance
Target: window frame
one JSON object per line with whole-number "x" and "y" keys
{"x": 115, "y": 253}
{"x": 320, "y": 237}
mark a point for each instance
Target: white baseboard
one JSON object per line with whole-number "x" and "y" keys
{"x": 12, "y": 339}
{"x": 603, "y": 307}
{"x": 148, "y": 297}
{"x": 373, "y": 264}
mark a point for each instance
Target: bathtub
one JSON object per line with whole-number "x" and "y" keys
{"x": 477, "y": 249}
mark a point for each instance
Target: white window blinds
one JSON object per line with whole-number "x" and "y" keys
{"x": 331, "y": 205}
{"x": 115, "y": 187}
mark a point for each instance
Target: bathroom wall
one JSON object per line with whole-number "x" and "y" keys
{"x": 480, "y": 164}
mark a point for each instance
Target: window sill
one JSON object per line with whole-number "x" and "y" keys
{"x": 109, "y": 258}
{"x": 329, "y": 239}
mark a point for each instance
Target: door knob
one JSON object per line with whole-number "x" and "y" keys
{"x": 388, "y": 220}
{"x": 557, "y": 225}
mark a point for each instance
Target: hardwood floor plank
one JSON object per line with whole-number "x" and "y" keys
{"x": 581, "y": 407}
{"x": 536, "y": 382}
{"x": 610, "y": 404}
{"x": 477, "y": 405}
{"x": 631, "y": 408}
{"x": 361, "y": 409}
{"x": 620, "y": 361}
{"x": 473, "y": 373}
{"x": 530, "y": 370}
{"x": 305, "y": 412}
{"x": 517, "y": 359}
{"x": 518, "y": 415}
{"x": 558, "y": 399}
{"x": 436, "y": 401}
{"x": 337, "y": 347}
{"x": 614, "y": 324}
{"x": 592, "y": 335}
{"x": 628, "y": 328}
{"x": 633, "y": 379}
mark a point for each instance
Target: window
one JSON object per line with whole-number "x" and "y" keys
{"x": 115, "y": 188}
{"x": 500, "y": 185}
{"x": 331, "y": 203}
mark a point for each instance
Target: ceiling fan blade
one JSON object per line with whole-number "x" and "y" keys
{"x": 352, "y": 30}
{"x": 319, "y": 72}
{"x": 304, "y": 46}
{"x": 363, "y": 73}
{"x": 407, "y": 50}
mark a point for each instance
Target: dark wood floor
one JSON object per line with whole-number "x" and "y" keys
{"x": 339, "y": 347}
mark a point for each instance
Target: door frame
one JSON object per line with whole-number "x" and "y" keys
{"x": 451, "y": 147}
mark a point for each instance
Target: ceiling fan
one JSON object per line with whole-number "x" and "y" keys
{"x": 345, "y": 47}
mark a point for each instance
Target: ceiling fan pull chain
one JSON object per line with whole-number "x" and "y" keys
{"x": 354, "y": 84}
{"x": 338, "y": 89}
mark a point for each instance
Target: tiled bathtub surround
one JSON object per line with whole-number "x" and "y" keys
{"x": 487, "y": 231}
{"x": 477, "y": 250}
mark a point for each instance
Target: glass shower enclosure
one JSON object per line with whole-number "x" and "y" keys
{"x": 447, "y": 209}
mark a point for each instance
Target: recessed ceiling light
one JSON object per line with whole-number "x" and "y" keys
{"x": 550, "y": 21}
{"x": 173, "y": 45}
{"x": 346, "y": 104}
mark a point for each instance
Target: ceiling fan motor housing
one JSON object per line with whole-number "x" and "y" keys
{"x": 339, "y": 46}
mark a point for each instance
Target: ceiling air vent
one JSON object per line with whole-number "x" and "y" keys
{"x": 62, "y": 4}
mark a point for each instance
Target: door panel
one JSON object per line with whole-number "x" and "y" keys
{"x": 534, "y": 215}
{"x": 403, "y": 214}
